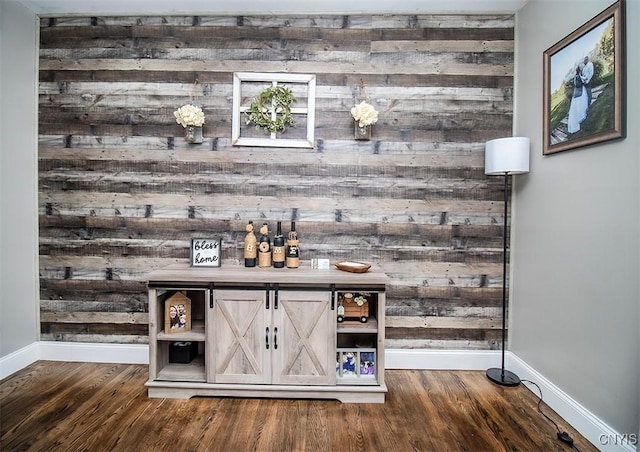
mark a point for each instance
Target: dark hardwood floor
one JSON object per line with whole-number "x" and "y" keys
{"x": 51, "y": 406}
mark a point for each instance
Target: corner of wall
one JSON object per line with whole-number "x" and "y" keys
{"x": 18, "y": 187}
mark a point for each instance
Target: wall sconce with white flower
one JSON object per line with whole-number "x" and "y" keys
{"x": 191, "y": 117}
{"x": 365, "y": 116}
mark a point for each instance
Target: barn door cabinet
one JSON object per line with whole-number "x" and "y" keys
{"x": 269, "y": 333}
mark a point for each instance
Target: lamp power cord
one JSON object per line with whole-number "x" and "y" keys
{"x": 562, "y": 436}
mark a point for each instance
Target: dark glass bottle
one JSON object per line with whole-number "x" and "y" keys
{"x": 278, "y": 247}
{"x": 293, "y": 249}
{"x": 264, "y": 247}
{"x": 250, "y": 247}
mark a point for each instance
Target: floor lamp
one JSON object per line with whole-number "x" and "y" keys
{"x": 505, "y": 156}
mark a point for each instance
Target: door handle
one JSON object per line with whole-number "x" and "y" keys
{"x": 275, "y": 302}
{"x": 275, "y": 338}
{"x": 267, "y": 338}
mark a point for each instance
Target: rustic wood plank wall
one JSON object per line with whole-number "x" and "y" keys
{"x": 121, "y": 192}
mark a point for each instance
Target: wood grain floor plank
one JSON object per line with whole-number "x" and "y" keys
{"x": 50, "y": 406}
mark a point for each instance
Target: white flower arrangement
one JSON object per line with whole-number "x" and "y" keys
{"x": 189, "y": 115}
{"x": 360, "y": 300}
{"x": 365, "y": 114}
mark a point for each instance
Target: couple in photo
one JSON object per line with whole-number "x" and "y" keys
{"x": 581, "y": 98}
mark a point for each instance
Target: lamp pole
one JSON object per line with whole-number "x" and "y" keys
{"x": 502, "y": 376}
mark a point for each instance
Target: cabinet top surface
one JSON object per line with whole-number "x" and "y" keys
{"x": 238, "y": 274}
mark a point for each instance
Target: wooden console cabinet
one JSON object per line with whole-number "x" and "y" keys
{"x": 268, "y": 333}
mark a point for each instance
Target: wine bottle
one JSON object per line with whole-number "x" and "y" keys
{"x": 250, "y": 250}
{"x": 264, "y": 247}
{"x": 278, "y": 247}
{"x": 293, "y": 250}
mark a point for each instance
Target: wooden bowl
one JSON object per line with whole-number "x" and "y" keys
{"x": 353, "y": 267}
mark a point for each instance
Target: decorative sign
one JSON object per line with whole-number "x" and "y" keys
{"x": 205, "y": 252}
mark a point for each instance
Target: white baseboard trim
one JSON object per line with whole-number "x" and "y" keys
{"x": 94, "y": 353}
{"x": 73, "y": 352}
{"x": 597, "y": 432}
{"x": 441, "y": 359}
{"x": 591, "y": 427}
{"x": 19, "y": 359}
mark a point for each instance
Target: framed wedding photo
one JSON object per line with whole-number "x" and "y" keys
{"x": 584, "y": 95}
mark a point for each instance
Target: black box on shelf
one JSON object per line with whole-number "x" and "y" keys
{"x": 182, "y": 352}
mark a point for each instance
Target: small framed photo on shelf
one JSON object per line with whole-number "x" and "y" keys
{"x": 367, "y": 364}
{"x": 205, "y": 252}
{"x": 356, "y": 363}
{"x": 177, "y": 314}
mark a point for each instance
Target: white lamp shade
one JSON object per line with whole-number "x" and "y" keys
{"x": 506, "y": 156}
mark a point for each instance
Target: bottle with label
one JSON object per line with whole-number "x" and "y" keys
{"x": 250, "y": 248}
{"x": 278, "y": 247}
{"x": 264, "y": 247}
{"x": 293, "y": 250}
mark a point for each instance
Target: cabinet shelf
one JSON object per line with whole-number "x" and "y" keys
{"x": 369, "y": 380}
{"x": 193, "y": 371}
{"x": 353, "y": 326}
{"x": 195, "y": 334}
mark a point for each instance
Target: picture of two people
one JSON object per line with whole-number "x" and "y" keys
{"x": 582, "y": 95}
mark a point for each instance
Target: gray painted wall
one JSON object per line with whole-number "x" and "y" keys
{"x": 575, "y": 297}
{"x": 18, "y": 197}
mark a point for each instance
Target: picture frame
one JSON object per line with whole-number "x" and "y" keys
{"x": 247, "y": 85}
{"x": 205, "y": 252}
{"x": 356, "y": 363}
{"x": 584, "y": 84}
{"x": 177, "y": 314}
